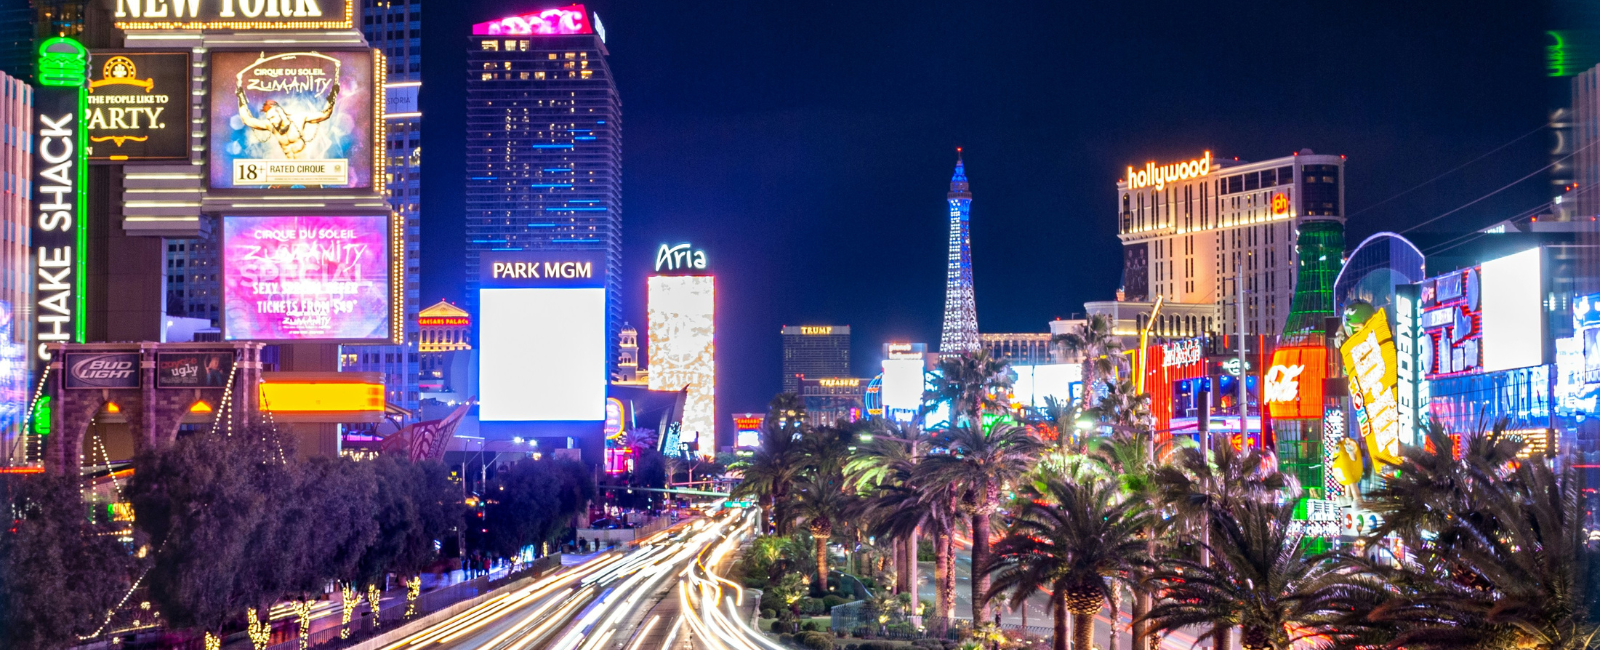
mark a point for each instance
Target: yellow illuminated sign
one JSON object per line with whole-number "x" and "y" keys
{"x": 839, "y": 383}
{"x": 1158, "y": 177}
{"x": 809, "y": 330}
{"x": 313, "y": 397}
{"x": 1369, "y": 360}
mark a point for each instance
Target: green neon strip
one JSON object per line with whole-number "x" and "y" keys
{"x": 80, "y": 283}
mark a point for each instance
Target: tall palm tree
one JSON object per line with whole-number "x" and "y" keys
{"x": 1123, "y": 407}
{"x": 1199, "y": 493}
{"x": 982, "y": 465}
{"x": 1100, "y": 348}
{"x": 968, "y": 382}
{"x": 1076, "y": 538}
{"x": 881, "y": 469}
{"x": 768, "y": 475}
{"x": 1262, "y": 580}
{"x": 1129, "y": 458}
{"x": 822, "y": 492}
{"x": 1424, "y": 500}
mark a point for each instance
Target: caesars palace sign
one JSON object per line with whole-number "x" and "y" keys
{"x": 233, "y": 14}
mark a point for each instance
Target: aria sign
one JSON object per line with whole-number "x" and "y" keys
{"x": 680, "y": 258}
{"x": 59, "y": 238}
{"x": 1158, "y": 177}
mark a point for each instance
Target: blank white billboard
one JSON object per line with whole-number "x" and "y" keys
{"x": 1513, "y": 311}
{"x": 682, "y": 348}
{"x": 1034, "y": 383}
{"x": 902, "y": 388}
{"x": 542, "y": 355}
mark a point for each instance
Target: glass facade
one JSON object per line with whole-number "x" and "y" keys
{"x": 814, "y": 351}
{"x": 1320, "y": 250}
{"x": 544, "y": 154}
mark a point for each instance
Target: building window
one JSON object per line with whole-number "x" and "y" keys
{"x": 492, "y": 46}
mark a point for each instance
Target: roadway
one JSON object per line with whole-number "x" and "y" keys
{"x": 613, "y": 601}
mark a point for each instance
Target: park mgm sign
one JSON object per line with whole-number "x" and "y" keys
{"x": 59, "y": 237}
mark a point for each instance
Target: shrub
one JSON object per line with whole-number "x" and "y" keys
{"x": 816, "y": 641}
{"x": 768, "y": 613}
{"x": 851, "y": 646}
{"x": 786, "y": 638}
{"x": 879, "y": 645}
{"x": 903, "y": 629}
{"x": 811, "y": 626}
{"x": 831, "y": 601}
{"x": 786, "y": 614}
{"x": 932, "y": 644}
{"x": 864, "y": 631}
{"x": 811, "y": 606}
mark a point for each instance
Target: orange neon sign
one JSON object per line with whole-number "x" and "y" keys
{"x": 313, "y": 397}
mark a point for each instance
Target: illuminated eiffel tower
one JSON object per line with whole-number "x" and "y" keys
{"x": 960, "y": 332}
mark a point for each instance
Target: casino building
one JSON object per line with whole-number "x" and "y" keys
{"x": 1190, "y": 228}
{"x": 814, "y": 351}
{"x": 544, "y": 144}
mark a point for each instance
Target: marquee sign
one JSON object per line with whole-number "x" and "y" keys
{"x": 1158, "y": 177}
{"x": 680, "y": 258}
{"x": 138, "y": 107}
{"x": 234, "y": 14}
{"x": 59, "y": 238}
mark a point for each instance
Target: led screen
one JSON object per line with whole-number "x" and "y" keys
{"x": 1035, "y": 383}
{"x": 305, "y": 278}
{"x": 542, "y": 354}
{"x": 292, "y": 119}
{"x": 1513, "y": 312}
{"x": 902, "y": 388}
{"x": 682, "y": 347}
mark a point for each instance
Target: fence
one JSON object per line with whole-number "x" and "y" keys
{"x": 851, "y": 617}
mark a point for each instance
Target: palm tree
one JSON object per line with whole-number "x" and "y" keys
{"x": 822, "y": 493}
{"x": 1100, "y": 347}
{"x": 1200, "y": 492}
{"x": 1123, "y": 407}
{"x": 769, "y": 473}
{"x": 981, "y": 465}
{"x": 1076, "y": 538}
{"x": 881, "y": 468}
{"x": 1129, "y": 458}
{"x": 967, "y": 382}
{"x": 1261, "y": 579}
{"x": 1424, "y": 499}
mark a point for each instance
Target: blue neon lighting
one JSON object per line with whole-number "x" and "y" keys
{"x": 559, "y": 169}
{"x": 575, "y": 209}
{"x": 584, "y": 137}
{"x": 599, "y": 121}
{"x": 580, "y": 130}
{"x": 551, "y": 185}
{"x": 483, "y": 178}
{"x": 552, "y": 146}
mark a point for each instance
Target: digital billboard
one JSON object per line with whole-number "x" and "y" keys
{"x": 902, "y": 387}
{"x": 138, "y": 106}
{"x": 1035, "y": 383}
{"x": 1293, "y": 383}
{"x": 571, "y": 19}
{"x": 306, "y": 279}
{"x": 1485, "y": 318}
{"x": 747, "y": 429}
{"x": 683, "y": 349}
{"x": 193, "y": 369}
{"x": 292, "y": 119}
{"x": 1369, "y": 360}
{"x": 542, "y": 336}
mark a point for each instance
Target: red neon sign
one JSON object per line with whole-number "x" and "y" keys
{"x": 1293, "y": 384}
{"x": 564, "y": 20}
{"x": 1280, "y": 203}
{"x": 443, "y": 320}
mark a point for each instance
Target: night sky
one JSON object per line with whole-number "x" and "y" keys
{"x": 807, "y": 147}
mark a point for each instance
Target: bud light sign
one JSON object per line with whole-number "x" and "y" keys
{"x": 102, "y": 370}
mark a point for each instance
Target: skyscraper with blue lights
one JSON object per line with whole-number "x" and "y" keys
{"x": 544, "y": 144}
{"x": 960, "y": 332}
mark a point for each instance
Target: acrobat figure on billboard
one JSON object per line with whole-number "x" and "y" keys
{"x": 291, "y": 130}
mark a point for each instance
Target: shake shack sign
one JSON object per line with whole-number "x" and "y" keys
{"x": 138, "y": 108}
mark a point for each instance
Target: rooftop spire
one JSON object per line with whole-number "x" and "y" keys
{"x": 958, "y": 180}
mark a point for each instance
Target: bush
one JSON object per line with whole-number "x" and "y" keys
{"x": 768, "y": 613}
{"x": 864, "y": 631}
{"x": 811, "y": 626}
{"x": 851, "y": 646}
{"x": 879, "y": 645}
{"x": 932, "y": 644}
{"x": 786, "y": 614}
{"x": 786, "y": 638}
{"x": 811, "y": 606}
{"x": 816, "y": 641}
{"x": 830, "y": 601}
{"x": 869, "y": 583}
{"x": 903, "y": 629}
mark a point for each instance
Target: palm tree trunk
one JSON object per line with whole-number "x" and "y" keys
{"x": 900, "y": 566}
{"x": 1141, "y": 606}
{"x": 1116, "y": 609}
{"x": 822, "y": 563}
{"x": 1082, "y": 631}
{"x": 947, "y": 588}
{"x": 980, "y": 577}
{"x": 1224, "y": 637}
{"x": 941, "y": 567}
{"x": 911, "y": 571}
{"x": 1058, "y": 618}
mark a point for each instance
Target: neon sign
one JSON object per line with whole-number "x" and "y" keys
{"x": 1158, "y": 177}
{"x": 59, "y": 158}
{"x": 1181, "y": 353}
{"x": 839, "y": 383}
{"x": 1280, "y": 203}
{"x": 1292, "y": 387}
{"x": 816, "y": 330}
{"x": 233, "y": 14}
{"x": 680, "y": 258}
{"x": 571, "y": 19}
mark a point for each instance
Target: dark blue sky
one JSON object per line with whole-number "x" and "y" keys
{"x": 808, "y": 146}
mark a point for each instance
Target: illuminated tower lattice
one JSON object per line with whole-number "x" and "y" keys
{"x": 960, "y": 308}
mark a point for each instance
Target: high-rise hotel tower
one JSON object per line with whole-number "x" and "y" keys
{"x": 1189, "y": 229}
{"x": 544, "y": 144}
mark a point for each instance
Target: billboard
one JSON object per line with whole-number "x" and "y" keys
{"x": 571, "y": 19}
{"x": 902, "y": 388}
{"x": 101, "y": 369}
{"x": 1369, "y": 360}
{"x": 542, "y": 336}
{"x": 292, "y": 119}
{"x": 193, "y": 369}
{"x": 747, "y": 429}
{"x": 138, "y": 107}
{"x": 1485, "y": 318}
{"x": 1034, "y": 383}
{"x": 683, "y": 348}
{"x": 1293, "y": 383}
{"x": 233, "y": 15}
{"x": 306, "y": 279}
{"x": 58, "y": 239}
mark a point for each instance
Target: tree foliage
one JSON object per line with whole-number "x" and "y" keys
{"x": 533, "y": 501}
